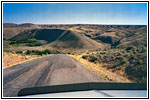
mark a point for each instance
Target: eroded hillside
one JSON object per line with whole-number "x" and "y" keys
{"x": 121, "y": 49}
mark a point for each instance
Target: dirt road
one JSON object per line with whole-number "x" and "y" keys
{"x": 51, "y": 70}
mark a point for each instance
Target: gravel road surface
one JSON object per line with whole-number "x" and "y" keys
{"x": 51, "y": 70}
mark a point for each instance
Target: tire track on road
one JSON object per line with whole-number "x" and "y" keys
{"x": 44, "y": 75}
{"x": 28, "y": 79}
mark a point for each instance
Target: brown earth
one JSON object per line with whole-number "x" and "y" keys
{"x": 10, "y": 59}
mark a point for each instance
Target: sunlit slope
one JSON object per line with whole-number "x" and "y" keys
{"x": 11, "y": 32}
{"x": 10, "y": 29}
{"x": 59, "y": 38}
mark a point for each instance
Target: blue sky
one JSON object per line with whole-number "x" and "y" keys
{"x": 75, "y": 13}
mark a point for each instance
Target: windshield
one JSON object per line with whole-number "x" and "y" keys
{"x": 55, "y": 44}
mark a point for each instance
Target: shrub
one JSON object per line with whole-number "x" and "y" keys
{"x": 19, "y": 52}
{"x": 34, "y": 44}
{"x": 137, "y": 74}
{"x": 33, "y": 51}
{"x": 130, "y": 48}
{"x": 106, "y": 77}
{"x": 36, "y": 52}
{"x": 104, "y": 65}
{"x": 84, "y": 56}
{"x": 139, "y": 61}
{"x": 118, "y": 57}
{"x": 29, "y": 41}
{"x": 103, "y": 52}
{"x": 28, "y": 52}
{"x": 123, "y": 61}
{"x": 93, "y": 58}
{"x": 39, "y": 53}
{"x": 99, "y": 56}
{"x": 46, "y": 52}
{"x": 132, "y": 57}
{"x": 142, "y": 48}
{"x": 12, "y": 42}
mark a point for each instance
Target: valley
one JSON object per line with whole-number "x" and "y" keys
{"x": 79, "y": 52}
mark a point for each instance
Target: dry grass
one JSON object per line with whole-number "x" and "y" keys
{"x": 25, "y": 48}
{"x": 104, "y": 73}
{"x": 10, "y": 59}
{"x": 10, "y": 32}
{"x": 111, "y": 34}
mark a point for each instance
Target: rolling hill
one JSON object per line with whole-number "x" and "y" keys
{"x": 79, "y": 35}
{"x": 10, "y": 29}
{"x": 120, "y": 35}
{"x": 59, "y": 38}
{"x": 121, "y": 49}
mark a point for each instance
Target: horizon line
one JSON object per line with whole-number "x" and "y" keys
{"x": 74, "y": 24}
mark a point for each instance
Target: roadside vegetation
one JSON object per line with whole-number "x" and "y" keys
{"x": 27, "y": 42}
{"x": 104, "y": 73}
{"x": 129, "y": 62}
{"x": 23, "y": 56}
{"x": 120, "y": 49}
{"x": 37, "y": 52}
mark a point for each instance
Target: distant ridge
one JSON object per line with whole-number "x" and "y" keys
{"x": 7, "y": 25}
{"x": 88, "y": 35}
{"x": 11, "y": 29}
{"x": 80, "y": 24}
{"x": 59, "y": 38}
{"x": 26, "y": 25}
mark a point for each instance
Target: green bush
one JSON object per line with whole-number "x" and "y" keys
{"x": 34, "y": 44}
{"x": 133, "y": 48}
{"x": 139, "y": 61}
{"x": 129, "y": 48}
{"x": 137, "y": 73}
{"x": 103, "y": 52}
{"x": 36, "y": 52}
{"x": 28, "y": 52}
{"x": 118, "y": 57}
{"x": 30, "y": 42}
{"x": 132, "y": 57}
{"x": 123, "y": 61}
{"x": 93, "y": 58}
{"x": 12, "y": 42}
{"x": 141, "y": 48}
{"x": 39, "y": 53}
{"x": 19, "y": 52}
{"x": 46, "y": 51}
{"x": 84, "y": 56}
{"x": 144, "y": 48}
